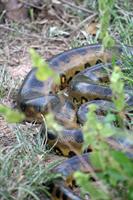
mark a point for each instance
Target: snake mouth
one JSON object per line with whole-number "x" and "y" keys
{"x": 35, "y": 108}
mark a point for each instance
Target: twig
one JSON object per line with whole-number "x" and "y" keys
{"x": 64, "y": 22}
{"x": 124, "y": 12}
{"x": 46, "y": 130}
{"x": 31, "y": 35}
{"x": 71, "y": 5}
{"x": 33, "y": 5}
{"x": 12, "y": 29}
{"x": 88, "y": 19}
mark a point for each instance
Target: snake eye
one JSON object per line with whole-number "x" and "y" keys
{"x": 87, "y": 65}
{"x": 99, "y": 61}
{"x": 51, "y": 135}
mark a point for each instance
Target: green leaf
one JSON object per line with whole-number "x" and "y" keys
{"x": 108, "y": 41}
{"x": 89, "y": 139}
{"x": 110, "y": 118}
{"x": 107, "y": 130}
{"x": 118, "y": 95}
{"x": 10, "y": 115}
{"x": 124, "y": 161}
{"x": 43, "y": 70}
{"x": 130, "y": 193}
{"x": 114, "y": 176}
{"x": 83, "y": 180}
{"x": 97, "y": 160}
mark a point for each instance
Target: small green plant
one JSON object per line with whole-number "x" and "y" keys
{"x": 43, "y": 70}
{"x": 116, "y": 168}
{"x": 10, "y": 115}
{"x": 105, "y": 9}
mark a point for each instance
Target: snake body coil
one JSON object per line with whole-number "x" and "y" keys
{"x": 84, "y": 79}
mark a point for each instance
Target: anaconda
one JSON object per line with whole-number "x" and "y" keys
{"x": 77, "y": 86}
{"x": 32, "y": 92}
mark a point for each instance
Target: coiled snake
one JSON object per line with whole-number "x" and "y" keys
{"x": 83, "y": 80}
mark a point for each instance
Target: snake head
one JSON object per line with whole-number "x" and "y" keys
{"x": 34, "y": 108}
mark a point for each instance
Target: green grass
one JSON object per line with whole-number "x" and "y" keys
{"x": 5, "y": 78}
{"x": 23, "y": 174}
{"x": 8, "y": 86}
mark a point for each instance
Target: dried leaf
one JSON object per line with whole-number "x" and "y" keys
{"x": 92, "y": 28}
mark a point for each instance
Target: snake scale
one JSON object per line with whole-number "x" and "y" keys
{"x": 84, "y": 73}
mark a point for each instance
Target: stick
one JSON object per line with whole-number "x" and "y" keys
{"x": 76, "y": 7}
{"x": 88, "y": 19}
